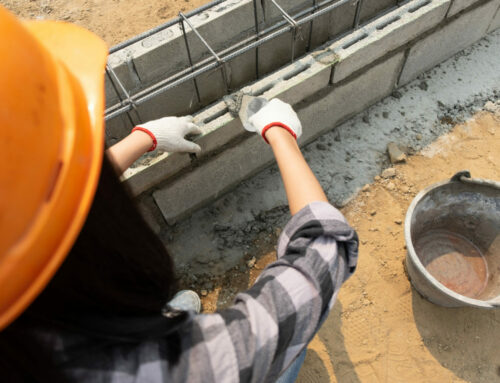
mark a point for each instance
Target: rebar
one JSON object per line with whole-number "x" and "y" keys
{"x": 358, "y": 14}
{"x": 256, "y": 17}
{"x": 184, "y": 35}
{"x": 220, "y": 60}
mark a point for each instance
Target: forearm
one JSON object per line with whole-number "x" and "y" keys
{"x": 301, "y": 185}
{"x": 127, "y": 151}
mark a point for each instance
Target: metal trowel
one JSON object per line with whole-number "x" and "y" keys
{"x": 249, "y": 106}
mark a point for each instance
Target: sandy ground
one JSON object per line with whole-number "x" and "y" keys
{"x": 113, "y": 20}
{"x": 381, "y": 329}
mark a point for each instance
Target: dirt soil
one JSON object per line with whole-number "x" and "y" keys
{"x": 381, "y": 329}
{"x": 113, "y": 20}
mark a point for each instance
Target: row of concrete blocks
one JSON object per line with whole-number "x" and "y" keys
{"x": 163, "y": 54}
{"x": 326, "y": 88}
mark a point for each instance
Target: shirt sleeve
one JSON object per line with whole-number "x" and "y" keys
{"x": 270, "y": 324}
{"x": 262, "y": 333}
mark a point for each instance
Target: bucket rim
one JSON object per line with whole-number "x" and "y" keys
{"x": 416, "y": 260}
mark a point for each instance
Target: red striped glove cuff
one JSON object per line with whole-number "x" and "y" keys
{"x": 281, "y": 125}
{"x": 155, "y": 143}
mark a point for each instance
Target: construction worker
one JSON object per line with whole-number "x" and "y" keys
{"x": 85, "y": 283}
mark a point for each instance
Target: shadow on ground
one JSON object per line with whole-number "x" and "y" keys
{"x": 332, "y": 353}
{"x": 464, "y": 340}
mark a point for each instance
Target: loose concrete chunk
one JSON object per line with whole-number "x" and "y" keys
{"x": 492, "y": 107}
{"x": 395, "y": 153}
{"x": 449, "y": 40}
{"x": 389, "y": 173}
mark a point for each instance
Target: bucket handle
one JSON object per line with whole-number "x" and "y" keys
{"x": 465, "y": 176}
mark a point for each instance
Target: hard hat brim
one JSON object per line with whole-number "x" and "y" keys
{"x": 80, "y": 59}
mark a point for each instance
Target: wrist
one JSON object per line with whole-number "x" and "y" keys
{"x": 276, "y": 133}
{"x": 144, "y": 138}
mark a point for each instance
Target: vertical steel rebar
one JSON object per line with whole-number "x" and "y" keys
{"x": 128, "y": 99}
{"x": 190, "y": 60}
{"x": 309, "y": 42}
{"x": 357, "y": 15}
{"x": 290, "y": 21}
{"x": 256, "y": 17}
{"x": 221, "y": 63}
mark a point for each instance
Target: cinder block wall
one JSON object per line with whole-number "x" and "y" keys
{"x": 163, "y": 54}
{"x": 326, "y": 87}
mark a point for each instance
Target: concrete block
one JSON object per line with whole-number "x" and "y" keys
{"x": 165, "y": 53}
{"x": 109, "y": 92}
{"x": 308, "y": 75}
{"x": 495, "y": 23}
{"x": 278, "y": 52}
{"x": 150, "y": 212}
{"x": 460, "y": 5}
{"x": 303, "y": 78}
{"x": 211, "y": 85}
{"x": 160, "y": 55}
{"x": 386, "y": 34}
{"x": 161, "y": 168}
{"x": 373, "y": 7}
{"x": 452, "y": 38}
{"x": 221, "y": 27}
{"x": 219, "y": 128}
{"x": 117, "y": 128}
{"x": 206, "y": 183}
{"x": 242, "y": 69}
{"x": 178, "y": 101}
{"x": 125, "y": 70}
{"x": 197, "y": 188}
{"x": 292, "y": 7}
{"x": 342, "y": 19}
{"x": 326, "y": 109}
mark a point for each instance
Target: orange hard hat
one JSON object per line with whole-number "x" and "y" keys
{"x": 51, "y": 147}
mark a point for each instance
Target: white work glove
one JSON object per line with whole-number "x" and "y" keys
{"x": 276, "y": 113}
{"x": 168, "y": 134}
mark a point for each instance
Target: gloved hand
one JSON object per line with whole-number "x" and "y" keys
{"x": 168, "y": 134}
{"x": 276, "y": 113}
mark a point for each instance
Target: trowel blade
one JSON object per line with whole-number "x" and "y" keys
{"x": 249, "y": 106}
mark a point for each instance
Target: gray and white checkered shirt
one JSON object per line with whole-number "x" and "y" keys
{"x": 260, "y": 335}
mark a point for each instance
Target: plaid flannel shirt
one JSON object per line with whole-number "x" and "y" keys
{"x": 260, "y": 335}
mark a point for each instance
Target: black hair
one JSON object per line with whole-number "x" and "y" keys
{"x": 112, "y": 287}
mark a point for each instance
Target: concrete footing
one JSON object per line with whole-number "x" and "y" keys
{"x": 326, "y": 87}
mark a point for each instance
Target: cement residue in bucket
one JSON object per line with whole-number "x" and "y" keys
{"x": 454, "y": 261}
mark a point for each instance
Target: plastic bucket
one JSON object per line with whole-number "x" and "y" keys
{"x": 452, "y": 233}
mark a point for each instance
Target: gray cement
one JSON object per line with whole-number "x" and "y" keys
{"x": 343, "y": 159}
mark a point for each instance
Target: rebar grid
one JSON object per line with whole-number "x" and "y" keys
{"x": 219, "y": 60}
